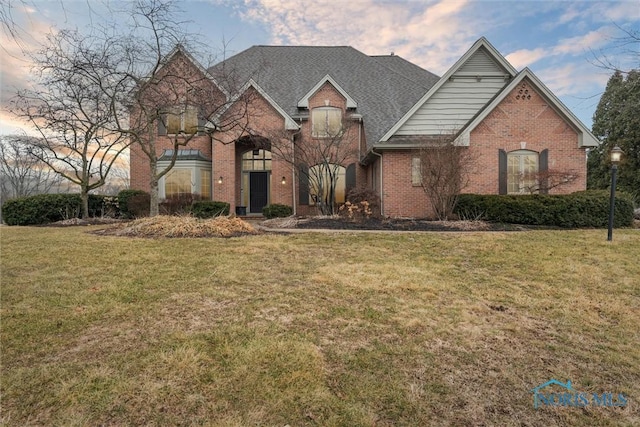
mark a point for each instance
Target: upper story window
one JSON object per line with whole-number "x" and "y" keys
{"x": 326, "y": 122}
{"x": 522, "y": 171}
{"x": 178, "y": 120}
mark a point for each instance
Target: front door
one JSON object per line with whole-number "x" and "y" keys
{"x": 258, "y": 191}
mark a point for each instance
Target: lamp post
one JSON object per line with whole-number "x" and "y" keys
{"x": 616, "y": 154}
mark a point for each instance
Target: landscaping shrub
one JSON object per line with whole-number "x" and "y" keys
{"x": 581, "y": 209}
{"x": 361, "y": 194}
{"x": 47, "y": 208}
{"x": 178, "y": 204}
{"x": 209, "y": 208}
{"x": 277, "y": 210}
{"x": 131, "y": 203}
{"x": 139, "y": 205}
{"x": 98, "y": 205}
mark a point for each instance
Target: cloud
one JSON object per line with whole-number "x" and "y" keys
{"x": 30, "y": 29}
{"x": 625, "y": 11}
{"x": 432, "y": 34}
{"x": 580, "y": 44}
{"x": 572, "y": 78}
{"x": 525, "y": 57}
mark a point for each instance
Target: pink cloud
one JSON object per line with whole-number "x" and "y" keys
{"x": 525, "y": 57}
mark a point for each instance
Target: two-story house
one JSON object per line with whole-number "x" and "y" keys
{"x": 384, "y": 108}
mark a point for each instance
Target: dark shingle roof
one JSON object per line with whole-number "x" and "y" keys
{"x": 385, "y": 87}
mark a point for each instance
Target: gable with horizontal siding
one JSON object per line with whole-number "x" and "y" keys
{"x": 460, "y": 98}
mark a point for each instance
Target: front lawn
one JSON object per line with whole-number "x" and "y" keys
{"x": 317, "y": 329}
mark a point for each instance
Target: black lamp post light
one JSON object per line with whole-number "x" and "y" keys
{"x": 616, "y": 155}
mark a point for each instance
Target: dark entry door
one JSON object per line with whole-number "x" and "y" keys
{"x": 258, "y": 191}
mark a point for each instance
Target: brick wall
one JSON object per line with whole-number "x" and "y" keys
{"x": 264, "y": 122}
{"x": 400, "y": 197}
{"x": 172, "y": 86}
{"x": 524, "y": 120}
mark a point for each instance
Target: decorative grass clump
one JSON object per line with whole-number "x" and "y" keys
{"x": 186, "y": 226}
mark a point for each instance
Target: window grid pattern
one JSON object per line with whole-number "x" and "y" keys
{"x": 205, "y": 184}
{"x": 522, "y": 170}
{"x": 256, "y": 160}
{"x": 177, "y": 181}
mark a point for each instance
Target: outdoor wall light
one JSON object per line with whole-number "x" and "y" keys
{"x": 284, "y": 180}
{"x": 220, "y": 180}
{"x": 616, "y": 155}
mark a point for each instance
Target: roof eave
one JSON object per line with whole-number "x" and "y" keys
{"x": 289, "y": 122}
{"x": 304, "y": 101}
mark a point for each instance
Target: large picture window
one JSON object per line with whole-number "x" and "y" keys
{"x": 320, "y": 183}
{"x": 522, "y": 171}
{"x": 177, "y": 181}
{"x": 190, "y": 174}
{"x": 326, "y": 122}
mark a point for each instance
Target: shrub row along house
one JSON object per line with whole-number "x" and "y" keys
{"x": 304, "y": 115}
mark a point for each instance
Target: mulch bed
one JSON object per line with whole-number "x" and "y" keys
{"x": 403, "y": 224}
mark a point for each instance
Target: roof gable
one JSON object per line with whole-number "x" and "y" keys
{"x": 304, "y": 101}
{"x": 289, "y": 123}
{"x": 482, "y": 59}
{"x": 179, "y": 49}
{"x": 585, "y": 137}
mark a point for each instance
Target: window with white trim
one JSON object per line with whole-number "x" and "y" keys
{"x": 326, "y": 122}
{"x": 190, "y": 174}
{"x": 416, "y": 172}
{"x": 177, "y": 181}
{"x": 522, "y": 171}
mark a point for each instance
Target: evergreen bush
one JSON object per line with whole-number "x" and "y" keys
{"x": 48, "y": 208}
{"x": 576, "y": 210}
{"x": 277, "y": 210}
{"x": 209, "y": 208}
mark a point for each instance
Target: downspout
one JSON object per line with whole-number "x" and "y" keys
{"x": 293, "y": 174}
{"x": 293, "y": 170}
{"x": 360, "y": 139}
{"x": 373, "y": 151}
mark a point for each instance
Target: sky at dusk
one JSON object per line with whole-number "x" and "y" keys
{"x": 558, "y": 40}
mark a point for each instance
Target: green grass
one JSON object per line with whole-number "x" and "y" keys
{"x": 316, "y": 329}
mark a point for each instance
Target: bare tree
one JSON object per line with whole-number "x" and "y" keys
{"x": 21, "y": 174}
{"x": 625, "y": 45}
{"x": 69, "y": 110}
{"x": 319, "y": 159}
{"x": 543, "y": 181}
{"x": 116, "y": 85}
{"x": 162, "y": 87}
{"x": 444, "y": 170}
